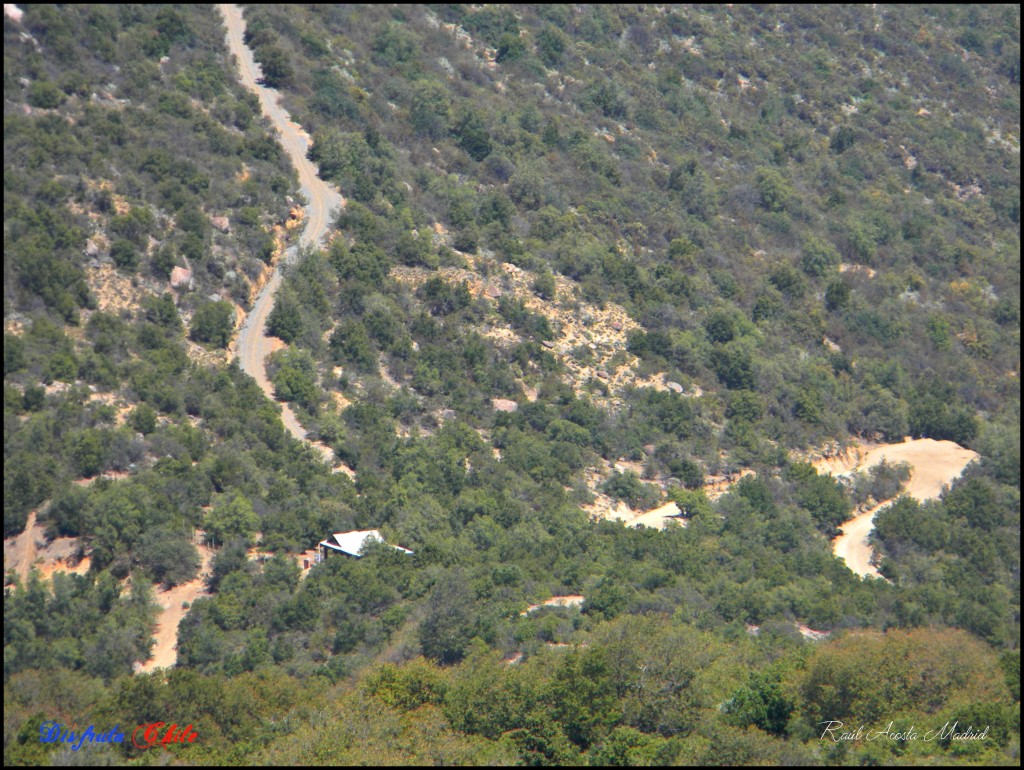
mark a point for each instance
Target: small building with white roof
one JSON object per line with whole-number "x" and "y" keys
{"x": 352, "y": 543}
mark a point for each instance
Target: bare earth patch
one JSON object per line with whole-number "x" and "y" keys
{"x": 660, "y": 517}
{"x": 578, "y": 325}
{"x": 850, "y": 267}
{"x": 575, "y": 600}
{"x": 30, "y": 549}
{"x": 114, "y": 292}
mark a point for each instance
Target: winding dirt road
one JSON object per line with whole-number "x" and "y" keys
{"x": 323, "y": 201}
{"x": 934, "y": 464}
{"x": 253, "y": 344}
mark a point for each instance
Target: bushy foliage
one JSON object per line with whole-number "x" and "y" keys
{"x": 800, "y": 242}
{"x": 213, "y": 322}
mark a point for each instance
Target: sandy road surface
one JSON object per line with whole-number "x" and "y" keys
{"x": 323, "y": 200}
{"x": 165, "y": 651}
{"x": 20, "y": 550}
{"x": 934, "y": 464}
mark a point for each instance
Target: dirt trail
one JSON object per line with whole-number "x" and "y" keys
{"x": 934, "y": 465}
{"x": 660, "y": 517}
{"x": 323, "y": 201}
{"x": 20, "y": 551}
{"x": 165, "y": 652}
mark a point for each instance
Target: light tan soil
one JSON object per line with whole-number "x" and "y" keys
{"x": 574, "y": 600}
{"x": 30, "y": 549}
{"x": 577, "y": 324}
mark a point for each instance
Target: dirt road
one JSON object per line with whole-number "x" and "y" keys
{"x": 165, "y": 651}
{"x": 323, "y": 201}
{"x": 20, "y": 550}
{"x": 934, "y": 464}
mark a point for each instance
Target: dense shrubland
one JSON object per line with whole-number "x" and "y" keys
{"x": 716, "y": 172}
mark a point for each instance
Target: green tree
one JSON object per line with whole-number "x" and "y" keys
{"x": 787, "y": 280}
{"x": 231, "y": 519}
{"x": 583, "y": 697}
{"x": 124, "y": 255}
{"x": 544, "y": 284}
{"x": 45, "y": 95}
{"x": 551, "y": 44}
{"x": 394, "y": 45}
{"x": 608, "y": 598}
{"x": 430, "y": 109}
{"x": 776, "y": 191}
{"x": 936, "y": 413}
{"x": 143, "y": 419}
{"x": 446, "y": 630}
{"x": 168, "y": 555}
{"x": 720, "y": 326}
{"x": 471, "y": 134}
{"x": 694, "y": 188}
{"x": 626, "y": 747}
{"x": 14, "y": 354}
{"x": 285, "y": 320}
{"x": 842, "y": 139}
{"x": 275, "y": 65}
{"x": 213, "y": 323}
{"x": 818, "y": 257}
{"x": 510, "y": 48}
{"x": 88, "y": 450}
{"x": 162, "y": 311}
{"x": 837, "y": 295}
{"x": 294, "y": 377}
{"x": 733, "y": 364}
{"x": 866, "y": 677}
{"x": 350, "y": 344}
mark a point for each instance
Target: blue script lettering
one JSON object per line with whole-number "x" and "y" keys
{"x": 49, "y": 732}
{"x": 54, "y": 732}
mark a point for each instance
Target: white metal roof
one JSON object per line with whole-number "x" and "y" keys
{"x": 352, "y": 542}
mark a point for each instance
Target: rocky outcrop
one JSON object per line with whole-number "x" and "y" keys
{"x": 181, "y": 278}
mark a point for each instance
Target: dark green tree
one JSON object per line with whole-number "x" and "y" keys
{"x": 213, "y": 323}
{"x": 446, "y": 630}
{"x": 168, "y": 555}
{"x": 231, "y": 519}
{"x": 471, "y": 134}
{"x": 285, "y": 320}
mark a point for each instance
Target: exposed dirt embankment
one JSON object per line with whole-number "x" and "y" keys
{"x": 933, "y": 466}
{"x": 574, "y": 600}
{"x": 30, "y": 549}
{"x": 590, "y": 340}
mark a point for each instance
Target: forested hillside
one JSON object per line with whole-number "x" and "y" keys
{"x": 594, "y": 259}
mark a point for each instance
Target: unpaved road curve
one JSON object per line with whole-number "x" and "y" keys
{"x": 323, "y": 200}
{"x": 934, "y": 464}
